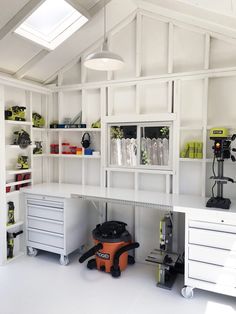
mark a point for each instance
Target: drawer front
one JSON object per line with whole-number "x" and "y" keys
{"x": 213, "y": 256}
{"x": 217, "y": 217}
{"x": 46, "y": 238}
{"x": 38, "y": 197}
{"x": 212, "y": 226}
{"x": 214, "y": 239}
{"x": 45, "y": 212}
{"x": 211, "y": 273}
{"x": 44, "y": 224}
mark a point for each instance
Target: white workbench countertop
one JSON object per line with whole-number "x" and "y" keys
{"x": 175, "y": 202}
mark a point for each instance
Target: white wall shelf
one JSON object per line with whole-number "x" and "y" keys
{"x": 75, "y": 130}
{"x": 191, "y": 160}
{"x": 11, "y": 122}
{"x": 18, "y": 171}
{"x": 18, "y": 183}
{"x": 73, "y": 156}
{"x": 15, "y": 225}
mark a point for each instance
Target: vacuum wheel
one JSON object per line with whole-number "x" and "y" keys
{"x": 64, "y": 260}
{"x": 187, "y": 292}
{"x": 115, "y": 272}
{"x": 32, "y": 251}
{"x": 131, "y": 260}
{"x": 92, "y": 264}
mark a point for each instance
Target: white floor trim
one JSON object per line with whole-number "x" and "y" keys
{"x": 39, "y": 285}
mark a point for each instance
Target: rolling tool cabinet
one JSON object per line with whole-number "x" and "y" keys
{"x": 210, "y": 253}
{"x": 55, "y": 224}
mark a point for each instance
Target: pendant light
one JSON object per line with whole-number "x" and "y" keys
{"x": 104, "y": 60}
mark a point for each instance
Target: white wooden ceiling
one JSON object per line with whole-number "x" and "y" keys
{"x": 25, "y": 59}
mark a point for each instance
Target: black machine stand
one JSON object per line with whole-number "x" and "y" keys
{"x": 222, "y": 151}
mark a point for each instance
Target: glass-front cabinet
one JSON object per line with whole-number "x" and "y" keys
{"x": 142, "y": 145}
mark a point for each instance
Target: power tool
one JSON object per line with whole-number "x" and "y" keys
{"x": 167, "y": 262}
{"x": 38, "y": 120}
{"x": 112, "y": 243}
{"x": 10, "y": 242}
{"x": 38, "y": 150}
{"x": 22, "y": 162}
{"x": 10, "y": 214}
{"x": 16, "y": 113}
{"x": 22, "y": 139}
{"x": 222, "y": 150}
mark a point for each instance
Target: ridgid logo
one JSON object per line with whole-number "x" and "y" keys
{"x": 103, "y": 255}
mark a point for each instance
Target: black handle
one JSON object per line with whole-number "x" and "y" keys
{"x": 122, "y": 250}
{"x": 90, "y": 252}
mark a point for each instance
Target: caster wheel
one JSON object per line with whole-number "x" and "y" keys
{"x": 32, "y": 251}
{"x": 115, "y": 272}
{"x": 131, "y": 260}
{"x": 187, "y": 292}
{"x": 92, "y": 264}
{"x": 64, "y": 260}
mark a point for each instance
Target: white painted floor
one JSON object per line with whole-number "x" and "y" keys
{"x": 39, "y": 285}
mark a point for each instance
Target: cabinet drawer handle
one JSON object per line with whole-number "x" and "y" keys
{"x": 45, "y": 220}
{"x": 46, "y": 208}
{"x": 46, "y": 232}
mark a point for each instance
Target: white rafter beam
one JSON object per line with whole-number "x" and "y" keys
{"x": 76, "y": 5}
{"x": 98, "y": 6}
{"x": 19, "y": 18}
{"x": 28, "y": 66}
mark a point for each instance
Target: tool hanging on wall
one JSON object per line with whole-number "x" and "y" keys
{"x": 22, "y": 162}
{"x": 38, "y": 150}
{"x": 22, "y": 139}
{"x": 222, "y": 150}
{"x": 38, "y": 120}
{"x": 164, "y": 258}
{"x": 15, "y": 113}
{"x": 10, "y": 242}
{"x": 10, "y": 214}
{"x": 112, "y": 243}
{"x": 86, "y": 141}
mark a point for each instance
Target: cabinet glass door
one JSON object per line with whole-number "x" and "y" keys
{"x": 154, "y": 145}
{"x": 123, "y": 148}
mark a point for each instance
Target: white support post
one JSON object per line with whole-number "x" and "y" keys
{"x": 207, "y": 52}
{"x": 170, "y": 90}
{"x": 176, "y": 136}
{"x": 171, "y": 48}
{"x": 83, "y": 71}
{"x": 3, "y": 211}
{"x": 138, "y": 44}
{"x": 29, "y": 102}
{"x": 103, "y": 136}
{"x": 137, "y": 98}
{"x": 204, "y": 118}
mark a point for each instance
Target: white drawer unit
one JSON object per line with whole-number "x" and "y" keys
{"x": 210, "y": 253}
{"x": 55, "y": 224}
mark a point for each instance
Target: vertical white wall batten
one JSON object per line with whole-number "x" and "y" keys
{"x": 170, "y": 48}
{"x": 138, "y": 44}
{"x": 207, "y": 51}
{"x": 3, "y": 211}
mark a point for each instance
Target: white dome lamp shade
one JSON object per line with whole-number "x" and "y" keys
{"x": 104, "y": 60}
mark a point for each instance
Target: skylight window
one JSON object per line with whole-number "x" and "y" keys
{"x": 52, "y": 23}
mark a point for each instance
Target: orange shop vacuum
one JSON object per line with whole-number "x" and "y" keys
{"x": 112, "y": 243}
